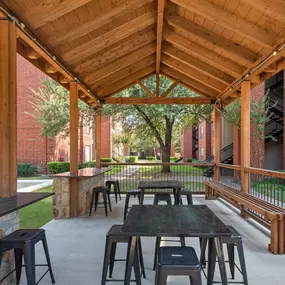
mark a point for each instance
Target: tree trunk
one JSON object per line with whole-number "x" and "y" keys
{"x": 166, "y": 150}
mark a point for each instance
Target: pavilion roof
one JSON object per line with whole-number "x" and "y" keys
{"x": 209, "y": 46}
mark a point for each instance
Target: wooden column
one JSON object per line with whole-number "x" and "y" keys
{"x": 245, "y": 134}
{"x": 98, "y": 139}
{"x": 73, "y": 201}
{"x": 8, "y": 107}
{"x": 236, "y": 150}
{"x": 217, "y": 142}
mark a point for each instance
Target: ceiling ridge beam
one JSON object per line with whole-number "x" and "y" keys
{"x": 220, "y": 62}
{"x": 170, "y": 88}
{"x": 145, "y": 88}
{"x": 211, "y": 37}
{"x": 109, "y": 38}
{"x": 229, "y": 21}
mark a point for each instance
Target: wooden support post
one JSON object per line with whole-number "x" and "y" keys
{"x": 73, "y": 148}
{"x": 98, "y": 139}
{"x": 8, "y": 107}
{"x": 236, "y": 150}
{"x": 245, "y": 134}
{"x": 217, "y": 142}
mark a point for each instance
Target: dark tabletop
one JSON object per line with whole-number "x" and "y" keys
{"x": 176, "y": 220}
{"x": 21, "y": 200}
{"x": 160, "y": 184}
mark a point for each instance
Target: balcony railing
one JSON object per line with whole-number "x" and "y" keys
{"x": 129, "y": 174}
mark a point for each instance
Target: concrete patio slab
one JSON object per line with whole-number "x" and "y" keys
{"x": 77, "y": 248}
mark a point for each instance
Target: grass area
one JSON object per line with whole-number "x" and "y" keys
{"x": 182, "y": 169}
{"x": 115, "y": 169}
{"x": 38, "y": 214}
{"x": 41, "y": 177}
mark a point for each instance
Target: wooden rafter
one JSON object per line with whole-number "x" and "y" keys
{"x": 50, "y": 10}
{"x": 170, "y": 88}
{"x": 219, "y": 62}
{"x": 195, "y": 74}
{"x": 190, "y": 28}
{"x": 160, "y": 16}
{"x": 144, "y": 88}
{"x": 156, "y": 100}
{"x": 197, "y": 64}
{"x": 229, "y": 21}
{"x": 110, "y": 38}
{"x": 106, "y": 16}
{"x": 120, "y": 63}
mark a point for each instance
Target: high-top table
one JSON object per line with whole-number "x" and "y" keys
{"x": 176, "y": 221}
{"x": 175, "y": 185}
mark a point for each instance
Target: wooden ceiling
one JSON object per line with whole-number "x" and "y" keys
{"x": 205, "y": 45}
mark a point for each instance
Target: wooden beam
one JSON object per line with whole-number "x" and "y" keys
{"x": 197, "y": 64}
{"x": 157, "y": 83}
{"x": 50, "y": 68}
{"x": 245, "y": 134}
{"x": 160, "y": 14}
{"x": 271, "y": 8}
{"x": 120, "y": 63}
{"x": 145, "y": 88}
{"x": 195, "y": 74}
{"x": 217, "y": 142}
{"x": 98, "y": 139}
{"x": 196, "y": 86}
{"x": 156, "y": 100}
{"x": 8, "y": 108}
{"x": 48, "y": 11}
{"x": 108, "y": 55}
{"x": 126, "y": 81}
{"x": 230, "y": 47}
{"x": 204, "y": 54}
{"x": 121, "y": 32}
{"x": 229, "y": 21}
{"x": 32, "y": 54}
{"x": 123, "y": 73}
{"x": 105, "y": 16}
{"x": 172, "y": 86}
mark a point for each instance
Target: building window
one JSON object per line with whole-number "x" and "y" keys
{"x": 87, "y": 127}
{"x": 87, "y": 153}
{"x": 201, "y": 132}
{"x": 202, "y": 154}
{"x": 68, "y": 152}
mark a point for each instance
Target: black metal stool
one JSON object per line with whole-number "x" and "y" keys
{"x": 166, "y": 198}
{"x": 116, "y": 186}
{"x": 112, "y": 238}
{"x": 231, "y": 242}
{"x": 188, "y": 194}
{"x": 129, "y": 194}
{"x": 106, "y": 199}
{"x": 178, "y": 261}
{"x": 23, "y": 242}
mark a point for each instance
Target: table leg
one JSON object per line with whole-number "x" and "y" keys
{"x": 141, "y": 196}
{"x": 130, "y": 259}
{"x": 211, "y": 261}
{"x": 221, "y": 260}
{"x": 178, "y": 196}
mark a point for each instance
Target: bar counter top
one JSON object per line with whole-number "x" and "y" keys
{"x": 21, "y": 200}
{"x": 85, "y": 172}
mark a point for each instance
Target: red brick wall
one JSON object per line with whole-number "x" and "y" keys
{"x": 205, "y": 140}
{"x": 106, "y": 137}
{"x": 186, "y": 143}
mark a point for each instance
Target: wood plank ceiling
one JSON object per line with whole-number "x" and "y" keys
{"x": 205, "y": 45}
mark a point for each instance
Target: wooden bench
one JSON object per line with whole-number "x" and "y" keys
{"x": 272, "y": 215}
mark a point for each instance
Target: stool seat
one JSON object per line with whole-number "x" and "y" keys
{"x": 23, "y": 236}
{"x": 101, "y": 189}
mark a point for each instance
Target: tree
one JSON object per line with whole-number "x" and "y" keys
{"x": 157, "y": 121}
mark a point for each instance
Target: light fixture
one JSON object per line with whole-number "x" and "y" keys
{"x": 274, "y": 53}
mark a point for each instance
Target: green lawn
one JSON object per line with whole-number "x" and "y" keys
{"x": 38, "y": 214}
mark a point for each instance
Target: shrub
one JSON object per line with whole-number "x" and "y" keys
{"x": 188, "y": 159}
{"x": 58, "y": 167}
{"x": 106, "y": 159}
{"x": 88, "y": 164}
{"x": 27, "y": 169}
{"x": 150, "y": 158}
{"x": 173, "y": 159}
{"x": 131, "y": 159}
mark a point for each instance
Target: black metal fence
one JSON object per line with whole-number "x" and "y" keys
{"x": 191, "y": 175}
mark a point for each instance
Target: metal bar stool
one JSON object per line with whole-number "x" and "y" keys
{"x": 95, "y": 197}
{"x": 231, "y": 242}
{"x": 116, "y": 186}
{"x": 189, "y": 197}
{"x": 178, "y": 261}
{"x": 163, "y": 198}
{"x": 23, "y": 242}
{"x": 113, "y": 237}
{"x": 129, "y": 194}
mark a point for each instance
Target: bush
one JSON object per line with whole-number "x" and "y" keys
{"x": 150, "y": 158}
{"x": 88, "y": 164}
{"x": 173, "y": 159}
{"x": 58, "y": 167}
{"x": 27, "y": 169}
{"x": 131, "y": 159}
{"x": 188, "y": 159}
{"x": 107, "y": 160}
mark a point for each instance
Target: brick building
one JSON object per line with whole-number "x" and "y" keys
{"x": 34, "y": 148}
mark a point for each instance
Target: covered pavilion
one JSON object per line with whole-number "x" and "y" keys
{"x": 219, "y": 49}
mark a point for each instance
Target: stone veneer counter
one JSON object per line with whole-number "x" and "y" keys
{"x": 85, "y": 180}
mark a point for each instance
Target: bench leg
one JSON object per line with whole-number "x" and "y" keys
{"x": 273, "y": 247}
{"x": 281, "y": 237}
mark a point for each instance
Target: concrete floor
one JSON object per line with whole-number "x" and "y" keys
{"x": 77, "y": 248}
